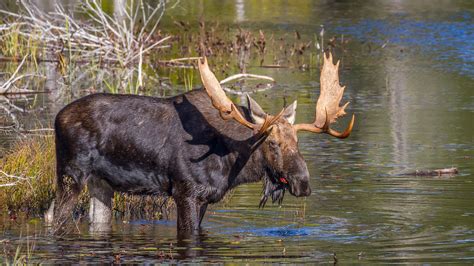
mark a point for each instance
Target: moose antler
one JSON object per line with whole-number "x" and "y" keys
{"x": 327, "y": 108}
{"x": 226, "y": 107}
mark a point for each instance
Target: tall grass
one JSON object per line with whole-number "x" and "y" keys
{"x": 27, "y": 185}
{"x": 188, "y": 76}
{"x": 17, "y": 255}
{"x": 14, "y": 45}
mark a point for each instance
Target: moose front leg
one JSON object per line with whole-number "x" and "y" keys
{"x": 188, "y": 216}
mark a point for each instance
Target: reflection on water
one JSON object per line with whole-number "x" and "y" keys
{"x": 414, "y": 109}
{"x": 399, "y": 115}
{"x": 451, "y": 42}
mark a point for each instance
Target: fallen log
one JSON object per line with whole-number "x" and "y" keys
{"x": 435, "y": 172}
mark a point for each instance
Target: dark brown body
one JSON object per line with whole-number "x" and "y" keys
{"x": 177, "y": 146}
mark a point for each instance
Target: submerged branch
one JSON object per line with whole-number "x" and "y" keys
{"x": 246, "y": 76}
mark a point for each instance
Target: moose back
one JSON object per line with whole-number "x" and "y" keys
{"x": 193, "y": 147}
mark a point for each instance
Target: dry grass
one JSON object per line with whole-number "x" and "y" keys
{"x": 27, "y": 185}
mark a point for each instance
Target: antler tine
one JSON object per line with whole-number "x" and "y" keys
{"x": 346, "y": 132}
{"x": 334, "y": 133}
{"x": 327, "y": 108}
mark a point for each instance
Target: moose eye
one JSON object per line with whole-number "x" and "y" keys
{"x": 273, "y": 144}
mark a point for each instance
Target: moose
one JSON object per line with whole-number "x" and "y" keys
{"x": 193, "y": 147}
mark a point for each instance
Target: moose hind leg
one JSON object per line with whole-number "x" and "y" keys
{"x": 100, "y": 209}
{"x": 202, "y": 211}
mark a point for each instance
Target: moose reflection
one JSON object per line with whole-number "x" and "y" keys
{"x": 193, "y": 147}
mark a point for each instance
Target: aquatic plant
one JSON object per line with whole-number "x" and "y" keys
{"x": 16, "y": 253}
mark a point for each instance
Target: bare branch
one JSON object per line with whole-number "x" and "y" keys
{"x": 4, "y": 88}
{"x": 245, "y": 76}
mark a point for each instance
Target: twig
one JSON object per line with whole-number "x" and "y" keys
{"x": 183, "y": 59}
{"x": 23, "y": 92}
{"x": 19, "y": 178}
{"x": 6, "y": 86}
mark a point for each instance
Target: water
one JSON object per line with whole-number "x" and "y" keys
{"x": 414, "y": 107}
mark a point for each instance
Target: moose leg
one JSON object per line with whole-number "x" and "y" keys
{"x": 188, "y": 217}
{"x": 100, "y": 210}
{"x": 49, "y": 215}
{"x": 68, "y": 188}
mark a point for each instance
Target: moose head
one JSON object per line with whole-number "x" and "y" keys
{"x": 276, "y": 135}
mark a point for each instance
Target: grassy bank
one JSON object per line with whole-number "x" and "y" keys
{"x": 27, "y": 185}
{"x": 27, "y": 179}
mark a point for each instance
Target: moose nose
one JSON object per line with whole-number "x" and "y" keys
{"x": 301, "y": 190}
{"x": 305, "y": 190}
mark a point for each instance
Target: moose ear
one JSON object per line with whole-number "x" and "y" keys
{"x": 290, "y": 113}
{"x": 256, "y": 112}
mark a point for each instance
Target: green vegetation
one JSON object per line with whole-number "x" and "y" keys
{"x": 15, "y": 45}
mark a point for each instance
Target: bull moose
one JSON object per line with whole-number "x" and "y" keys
{"x": 193, "y": 147}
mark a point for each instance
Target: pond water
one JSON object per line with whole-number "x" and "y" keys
{"x": 409, "y": 71}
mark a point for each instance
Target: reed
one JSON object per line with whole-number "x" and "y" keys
{"x": 188, "y": 77}
{"x": 18, "y": 252}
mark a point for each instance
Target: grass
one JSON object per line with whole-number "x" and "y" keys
{"x": 15, "y": 45}
{"x": 27, "y": 185}
{"x": 29, "y": 188}
{"x": 17, "y": 256}
{"x": 188, "y": 75}
{"x": 97, "y": 53}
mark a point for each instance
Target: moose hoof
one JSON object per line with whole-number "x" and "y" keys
{"x": 100, "y": 228}
{"x": 49, "y": 215}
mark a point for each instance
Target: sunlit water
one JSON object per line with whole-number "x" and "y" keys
{"x": 414, "y": 107}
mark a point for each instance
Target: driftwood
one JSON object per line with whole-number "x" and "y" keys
{"x": 244, "y": 76}
{"x": 436, "y": 172}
